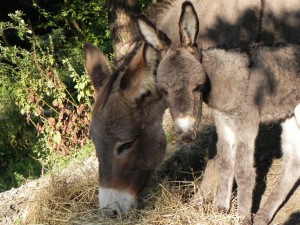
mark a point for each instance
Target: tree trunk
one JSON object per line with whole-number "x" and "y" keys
{"x": 122, "y": 25}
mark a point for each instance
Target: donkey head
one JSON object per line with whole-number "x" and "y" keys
{"x": 180, "y": 74}
{"x": 126, "y": 126}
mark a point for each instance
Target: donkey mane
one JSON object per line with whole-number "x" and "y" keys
{"x": 102, "y": 97}
{"x": 148, "y": 83}
{"x": 101, "y": 100}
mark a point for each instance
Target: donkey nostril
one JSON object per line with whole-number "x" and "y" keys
{"x": 188, "y": 137}
{"x": 194, "y": 135}
{"x": 115, "y": 213}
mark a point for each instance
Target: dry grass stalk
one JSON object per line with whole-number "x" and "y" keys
{"x": 70, "y": 198}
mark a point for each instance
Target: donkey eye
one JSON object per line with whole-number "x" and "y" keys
{"x": 124, "y": 147}
{"x": 163, "y": 91}
{"x": 199, "y": 88}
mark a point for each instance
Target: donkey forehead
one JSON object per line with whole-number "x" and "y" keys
{"x": 117, "y": 118}
{"x": 180, "y": 65}
{"x": 188, "y": 53}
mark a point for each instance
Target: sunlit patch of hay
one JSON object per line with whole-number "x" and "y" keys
{"x": 65, "y": 196}
{"x": 69, "y": 198}
{"x": 175, "y": 203}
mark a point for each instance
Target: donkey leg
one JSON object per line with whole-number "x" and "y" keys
{"x": 290, "y": 138}
{"x": 244, "y": 170}
{"x": 224, "y": 160}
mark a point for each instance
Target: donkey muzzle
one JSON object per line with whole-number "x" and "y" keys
{"x": 113, "y": 201}
{"x": 189, "y": 136}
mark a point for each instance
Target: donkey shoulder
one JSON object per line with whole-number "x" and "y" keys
{"x": 228, "y": 73}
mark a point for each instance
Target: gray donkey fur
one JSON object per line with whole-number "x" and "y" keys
{"x": 243, "y": 89}
{"x": 242, "y": 97}
{"x": 226, "y": 24}
{"x": 233, "y": 23}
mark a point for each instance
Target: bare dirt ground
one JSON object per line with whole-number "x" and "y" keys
{"x": 186, "y": 162}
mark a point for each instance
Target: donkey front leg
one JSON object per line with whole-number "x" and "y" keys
{"x": 225, "y": 160}
{"x": 290, "y": 138}
{"x": 244, "y": 170}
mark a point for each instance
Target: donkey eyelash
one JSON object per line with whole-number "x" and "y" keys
{"x": 125, "y": 146}
{"x": 163, "y": 91}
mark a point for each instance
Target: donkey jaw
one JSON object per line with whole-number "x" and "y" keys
{"x": 187, "y": 126}
{"x": 113, "y": 201}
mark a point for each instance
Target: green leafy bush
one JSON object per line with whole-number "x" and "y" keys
{"x": 45, "y": 96}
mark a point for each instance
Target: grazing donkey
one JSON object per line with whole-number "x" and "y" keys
{"x": 244, "y": 88}
{"x": 126, "y": 126}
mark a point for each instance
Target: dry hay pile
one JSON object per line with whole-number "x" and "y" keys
{"x": 75, "y": 202}
{"x": 71, "y": 198}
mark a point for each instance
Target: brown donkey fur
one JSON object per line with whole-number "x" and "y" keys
{"x": 126, "y": 126}
{"x": 244, "y": 89}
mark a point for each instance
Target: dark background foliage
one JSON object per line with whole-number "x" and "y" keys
{"x": 45, "y": 97}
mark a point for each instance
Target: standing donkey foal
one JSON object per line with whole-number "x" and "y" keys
{"x": 243, "y": 89}
{"x": 126, "y": 126}
{"x": 183, "y": 95}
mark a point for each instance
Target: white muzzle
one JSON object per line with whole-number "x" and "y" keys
{"x": 113, "y": 202}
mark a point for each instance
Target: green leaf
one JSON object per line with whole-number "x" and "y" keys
{"x": 57, "y": 137}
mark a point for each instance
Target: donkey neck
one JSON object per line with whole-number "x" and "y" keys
{"x": 228, "y": 75}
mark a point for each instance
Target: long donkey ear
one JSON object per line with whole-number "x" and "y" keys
{"x": 139, "y": 77}
{"x": 153, "y": 36}
{"x": 188, "y": 24}
{"x": 97, "y": 66}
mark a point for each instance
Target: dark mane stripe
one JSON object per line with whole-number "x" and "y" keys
{"x": 102, "y": 97}
{"x": 154, "y": 11}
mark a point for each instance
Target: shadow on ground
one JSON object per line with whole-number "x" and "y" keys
{"x": 267, "y": 148}
{"x": 294, "y": 219}
{"x": 189, "y": 162}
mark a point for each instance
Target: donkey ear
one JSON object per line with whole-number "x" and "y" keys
{"x": 97, "y": 66}
{"x": 188, "y": 24}
{"x": 139, "y": 79}
{"x": 153, "y": 36}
